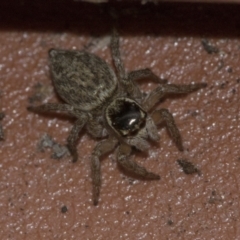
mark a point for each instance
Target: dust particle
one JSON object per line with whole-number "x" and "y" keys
{"x": 58, "y": 150}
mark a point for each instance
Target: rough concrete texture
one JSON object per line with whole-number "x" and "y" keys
{"x": 46, "y": 198}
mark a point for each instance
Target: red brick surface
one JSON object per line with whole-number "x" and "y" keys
{"x": 34, "y": 187}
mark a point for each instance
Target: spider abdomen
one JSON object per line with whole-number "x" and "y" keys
{"x": 82, "y": 79}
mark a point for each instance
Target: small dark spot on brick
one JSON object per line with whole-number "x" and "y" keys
{"x": 238, "y": 80}
{"x": 187, "y": 167}
{"x": 192, "y": 113}
{"x": 127, "y": 212}
{"x": 170, "y": 222}
{"x": 64, "y": 209}
{"x": 2, "y": 115}
{"x": 222, "y": 85}
{"x": 220, "y": 65}
{"x": 215, "y": 198}
{"x": 230, "y": 70}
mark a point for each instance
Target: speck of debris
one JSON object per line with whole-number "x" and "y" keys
{"x": 210, "y": 49}
{"x": 170, "y": 222}
{"x": 127, "y": 212}
{"x": 2, "y": 115}
{"x": 1, "y": 133}
{"x": 45, "y": 142}
{"x": 238, "y": 80}
{"x": 214, "y": 198}
{"x": 230, "y": 70}
{"x": 193, "y": 113}
{"x": 129, "y": 179}
{"x": 41, "y": 92}
{"x": 188, "y": 167}
{"x": 223, "y": 85}
{"x": 64, "y": 209}
{"x": 59, "y": 151}
{"x": 98, "y": 43}
{"x": 233, "y": 91}
{"x": 220, "y": 64}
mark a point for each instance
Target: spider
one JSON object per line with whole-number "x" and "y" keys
{"x": 111, "y": 107}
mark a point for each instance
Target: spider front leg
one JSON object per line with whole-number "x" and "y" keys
{"x": 138, "y": 75}
{"x": 117, "y": 57}
{"x": 165, "y": 89}
{"x": 128, "y": 80}
{"x": 131, "y": 166}
{"x": 163, "y": 115}
{"x": 129, "y": 86}
{"x": 65, "y": 108}
{"x": 53, "y": 107}
{"x": 145, "y": 73}
{"x": 102, "y": 148}
{"x": 73, "y": 136}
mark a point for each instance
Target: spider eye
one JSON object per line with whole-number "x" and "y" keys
{"x": 126, "y": 117}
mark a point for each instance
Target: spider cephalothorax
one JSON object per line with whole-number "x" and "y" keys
{"x": 110, "y": 106}
{"x": 125, "y": 116}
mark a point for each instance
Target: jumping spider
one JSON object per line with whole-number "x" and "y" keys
{"x": 111, "y": 106}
